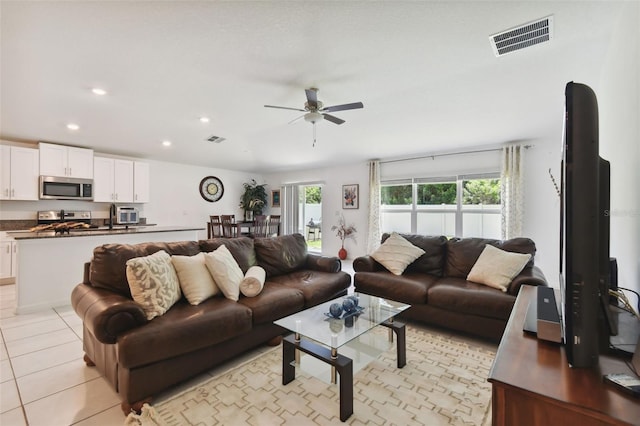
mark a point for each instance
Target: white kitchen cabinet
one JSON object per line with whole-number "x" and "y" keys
{"x": 113, "y": 180}
{"x": 19, "y": 173}
{"x": 8, "y": 261}
{"x": 140, "y": 182}
{"x": 66, "y": 161}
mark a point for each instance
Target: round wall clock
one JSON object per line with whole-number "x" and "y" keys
{"x": 211, "y": 188}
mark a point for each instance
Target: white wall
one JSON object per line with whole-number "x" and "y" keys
{"x": 618, "y": 95}
{"x": 175, "y": 196}
{"x": 332, "y": 180}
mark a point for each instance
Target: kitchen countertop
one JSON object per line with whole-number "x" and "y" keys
{"x": 103, "y": 230}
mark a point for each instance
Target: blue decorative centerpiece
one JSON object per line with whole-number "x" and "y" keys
{"x": 335, "y": 310}
{"x": 348, "y": 305}
{"x": 345, "y": 310}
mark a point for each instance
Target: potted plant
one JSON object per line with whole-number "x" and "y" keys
{"x": 253, "y": 199}
{"x": 343, "y": 232}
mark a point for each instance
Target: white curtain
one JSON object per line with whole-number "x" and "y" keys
{"x": 511, "y": 192}
{"x": 373, "y": 239}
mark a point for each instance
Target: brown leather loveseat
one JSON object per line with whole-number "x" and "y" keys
{"x": 436, "y": 284}
{"x": 141, "y": 357}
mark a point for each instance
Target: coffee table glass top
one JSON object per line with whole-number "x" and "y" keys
{"x": 314, "y": 323}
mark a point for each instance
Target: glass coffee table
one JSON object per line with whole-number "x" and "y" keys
{"x": 320, "y": 335}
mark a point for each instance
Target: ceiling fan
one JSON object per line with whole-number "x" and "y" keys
{"x": 315, "y": 111}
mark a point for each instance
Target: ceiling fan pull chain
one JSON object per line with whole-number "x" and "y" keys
{"x": 314, "y": 134}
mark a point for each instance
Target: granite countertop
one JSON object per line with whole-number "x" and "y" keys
{"x": 103, "y": 230}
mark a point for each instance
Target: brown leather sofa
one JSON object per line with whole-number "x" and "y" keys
{"x": 141, "y": 358}
{"x": 436, "y": 287}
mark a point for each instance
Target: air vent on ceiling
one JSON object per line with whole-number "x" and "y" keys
{"x": 527, "y": 35}
{"x": 216, "y": 139}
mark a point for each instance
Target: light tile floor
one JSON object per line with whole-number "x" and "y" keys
{"x": 43, "y": 379}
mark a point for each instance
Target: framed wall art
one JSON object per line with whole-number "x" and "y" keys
{"x": 275, "y": 198}
{"x": 350, "y": 196}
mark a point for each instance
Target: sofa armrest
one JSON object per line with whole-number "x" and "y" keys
{"x": 105, "y": 313}
{"x": 529, "y": 276}
{"x": 323, "y": 263}
{"x": 366, "y": 264}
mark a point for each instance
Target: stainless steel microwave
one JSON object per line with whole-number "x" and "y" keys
{"x": 64, "y": 188}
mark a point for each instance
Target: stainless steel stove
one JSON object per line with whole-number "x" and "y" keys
{"x": 56, "y": 216}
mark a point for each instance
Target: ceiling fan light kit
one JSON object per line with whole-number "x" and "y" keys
{"x": 316, "y": 112}
{"x": 313, "y": 117}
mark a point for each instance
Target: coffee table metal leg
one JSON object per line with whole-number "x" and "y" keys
{"x": 342, "y": 364}
{"x": 401, "y": 344}
{"x": 288, "y": 356}
{"x": 346, "y": 391}
{"x": 334, "y": 356}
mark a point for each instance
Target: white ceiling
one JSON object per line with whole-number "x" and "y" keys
{"x": 425, "y": 72}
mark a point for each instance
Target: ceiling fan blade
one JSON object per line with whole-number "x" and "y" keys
{"x": 312, "y": 97}
{"x": 343, "y": 107}
{"x": 333, "y": 118}
{"x": 281, "y": 107}
{"x": 296, "y": 119}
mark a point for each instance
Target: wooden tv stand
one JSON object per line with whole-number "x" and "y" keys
{"x": 532, "y": 383}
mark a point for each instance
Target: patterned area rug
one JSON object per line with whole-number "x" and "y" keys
{"x": 443, "y": 383}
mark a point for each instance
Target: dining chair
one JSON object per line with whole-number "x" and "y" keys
{"x": 260, "y": 226}
{"x": 229, "y": 228}
{"x": 215, "y": 227}
{"x": 273, "y": 226}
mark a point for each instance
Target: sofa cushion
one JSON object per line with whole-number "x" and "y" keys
{"x": 154, "y": 283}
{"x": 225, "y": 271}
{"x": 411, "y": 287}
{"x": 466, "y": 297}
{"x": 241, "y": 248}
{"x": 108, "y": 267}
{"x": 497, "y": 268}
{"x": 432, "y": 261}
{"x": 462, "y": 253}
{"x": 281, "y": 255}
{"x": 274, "y": 302}
{"x": 253, "y": 281}
{"x": 396, "y": 253}
{"x": 182, "y": 329}
{"x": 316, "y": 286}
{"x": 196, "y": 282}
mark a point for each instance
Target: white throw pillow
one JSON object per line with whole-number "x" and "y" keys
{"x": 153, "y": 283}
{"x": 497, "y": 268}
{"x": 396, "y": 253}
{"x": 196, "y": 282}
{"x": 253, "y": 281}
{"x": 225, "y": 271}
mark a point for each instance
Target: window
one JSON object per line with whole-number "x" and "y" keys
{"x": 463, "y": 206}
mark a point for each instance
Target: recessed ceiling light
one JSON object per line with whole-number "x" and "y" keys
{"x": 204, "y": 119}
{"x": 73, "y": 126}
{"x": 98, "y": 91}
{"x": 166, "y": 143}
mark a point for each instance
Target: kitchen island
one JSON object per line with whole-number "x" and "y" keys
{"x": 50, "y": 265}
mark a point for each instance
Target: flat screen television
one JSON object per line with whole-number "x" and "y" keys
{"x": 584, "y": 231}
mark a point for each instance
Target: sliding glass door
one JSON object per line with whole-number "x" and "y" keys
{"x": 302, "y": 213}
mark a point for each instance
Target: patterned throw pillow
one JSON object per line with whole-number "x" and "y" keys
{"x": 225, "y": 271}
{"x": 153, "y": 283}
{"x": 196, "y": 282}
{"x": 497, "y": 268}
{"x": 396, "y": 253}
